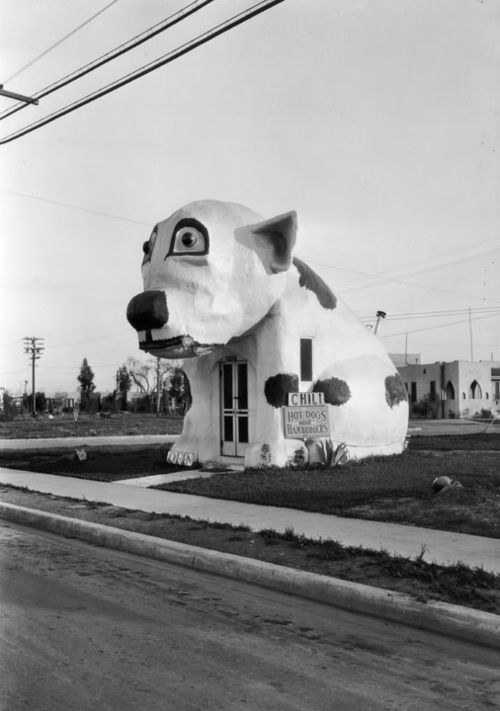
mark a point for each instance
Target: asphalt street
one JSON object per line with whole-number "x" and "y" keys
{"x": 83, "y": 628}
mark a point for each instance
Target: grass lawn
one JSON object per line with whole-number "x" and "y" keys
{"x": 396, "y": 489}
{"x": 88, "y": 425}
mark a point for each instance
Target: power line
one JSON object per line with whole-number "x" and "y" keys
{"x": 407, "y": 283}
{"x": 404, "y": 270}
{"x": 13, "y": 372}
{"x": 442, "y": 325}
{"x": 211, "y": 34}
{"x": 438, "y": 314}
{"x": 76, "y": 207}
{"x": 90, "y": 340}
{"x": 430, "y": 269}
{"x": 56, "y": 44}
{"x": 125, "y": 47}
{"x": 409, "y": 268}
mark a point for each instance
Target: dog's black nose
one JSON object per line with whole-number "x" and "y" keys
{"x": 148, "y": 310}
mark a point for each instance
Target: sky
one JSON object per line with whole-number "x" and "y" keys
{"x": 378, "y": 122}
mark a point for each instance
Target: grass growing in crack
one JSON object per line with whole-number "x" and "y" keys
{"x": 459, "y": 584}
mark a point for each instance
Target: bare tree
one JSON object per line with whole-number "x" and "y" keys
{"x": 148, "y": 374}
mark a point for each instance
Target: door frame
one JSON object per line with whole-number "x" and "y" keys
{"x": 233, "y": 404}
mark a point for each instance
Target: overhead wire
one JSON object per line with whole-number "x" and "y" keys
{"x": 432, "y": 328}
{"x": 76, "y": 207}
{"x": 436, "y": 314}
{"x": 109, "y": 56}
{"x": 409, "y": 268}
{"x": 397, "y": 280}
{"x": 59, "y": 42}
{"x": 180, "y": 51}
{"x": 431, "y": 269}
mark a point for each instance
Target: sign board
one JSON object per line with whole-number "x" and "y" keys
{"x": 306, "y": 422}
{"x": 301, "y": 399}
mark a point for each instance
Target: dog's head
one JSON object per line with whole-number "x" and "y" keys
{"x": 211, "y": 271}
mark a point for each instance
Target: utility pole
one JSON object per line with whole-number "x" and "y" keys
{"x": 158, "y": 395}
{"x": 470, "y": 335}
{"x": 34, "y": 347}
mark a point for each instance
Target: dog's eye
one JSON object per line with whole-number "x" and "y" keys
{"x": 147, "y": 247}
{"x": 188, "y": 239}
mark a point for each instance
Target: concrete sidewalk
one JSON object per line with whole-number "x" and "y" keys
{"x": 440, "y": 546}
{"x": 90, "y": 441}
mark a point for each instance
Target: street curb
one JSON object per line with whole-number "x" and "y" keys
{"x": 452, "y": 620}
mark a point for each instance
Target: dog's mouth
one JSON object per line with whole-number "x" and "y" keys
{"x": 178, "y": 347}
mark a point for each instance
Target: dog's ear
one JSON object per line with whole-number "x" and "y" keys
{"x": 273, "y": 240}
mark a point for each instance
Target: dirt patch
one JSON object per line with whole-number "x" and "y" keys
{"x": 454, "y": 584}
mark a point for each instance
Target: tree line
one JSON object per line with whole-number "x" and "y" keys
{"x": 161, "y": 387}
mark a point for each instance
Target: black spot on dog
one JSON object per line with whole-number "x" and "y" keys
{"x": 395, "y": 391}
{"x": 336, "y": 391}
{"x": 278, "y": 386}
{"x": 313, "y": 282}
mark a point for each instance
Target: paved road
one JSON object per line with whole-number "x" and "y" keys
{"x": 88, "y": 628}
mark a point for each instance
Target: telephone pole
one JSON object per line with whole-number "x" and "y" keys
{"x": 34, "y": 347}
{"x": 158, "y": 394}
{"x": 470, "y": 335}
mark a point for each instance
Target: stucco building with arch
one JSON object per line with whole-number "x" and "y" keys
{"x": 460, "y": 388}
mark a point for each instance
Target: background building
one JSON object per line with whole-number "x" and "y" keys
{"x": 460, "y": 388}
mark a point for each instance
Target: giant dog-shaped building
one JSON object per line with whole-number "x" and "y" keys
{"x": 223, "y": 291}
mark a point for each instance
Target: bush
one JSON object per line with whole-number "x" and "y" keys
{"x": 483, "y": 415}
{"x": 427, "y": 407}
{"x": 141, "y": 404}
{"x": 9, "y": 407}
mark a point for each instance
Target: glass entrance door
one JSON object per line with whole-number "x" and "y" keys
{"x": 234, "y": 408}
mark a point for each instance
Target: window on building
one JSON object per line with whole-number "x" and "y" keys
{"x": 433, "y": 389}
{"x": 450, "y": 391}
{"x": 414, "y": 392}
{"x": 306, "y": 359}
{"x": 475, "y": 392}
{"x": 497, "y": 389}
